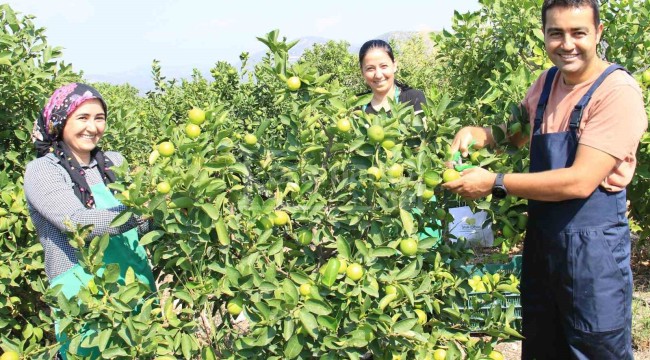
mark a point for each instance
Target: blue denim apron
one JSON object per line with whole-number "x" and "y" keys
{"x": 576, "y": 287}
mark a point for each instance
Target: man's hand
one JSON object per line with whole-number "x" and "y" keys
{"x": 471, "y": 136}
{"x": 462, "y": 141}
{"x": 474, "y": 183}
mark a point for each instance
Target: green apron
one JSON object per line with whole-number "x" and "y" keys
{"x": 123, "y": 249}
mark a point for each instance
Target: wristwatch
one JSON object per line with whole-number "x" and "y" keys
{"x": 499, "y": 190}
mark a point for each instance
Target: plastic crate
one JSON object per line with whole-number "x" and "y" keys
{"x": 476, "y": 303}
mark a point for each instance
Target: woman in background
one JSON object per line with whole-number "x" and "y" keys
{"x": 378, "y": 67}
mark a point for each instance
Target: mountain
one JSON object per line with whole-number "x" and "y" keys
{"x": 141, "y": 78}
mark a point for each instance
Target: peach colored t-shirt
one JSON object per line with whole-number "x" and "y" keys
{"x": 613, "y": 121}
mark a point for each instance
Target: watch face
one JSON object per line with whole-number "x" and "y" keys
{"x": 499, "y": 192}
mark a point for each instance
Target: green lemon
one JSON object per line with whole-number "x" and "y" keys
{"x": 395, "y": 171}
{"x": 376, "y": 133}
{"x": 280, "y": 218}
{"x": 450, "y": 175}
{"x": 166, "y": 149}
{"x": 305, "y": 289}
{"x": 343, "y": 125}
{"x": 439, "y": 354}
{"x": 197, "y": 116}
{"x": 422, "y": 316}
{"x": 293, "y": 83}
{"x": 163, "y": 187}
{"x": 427, "y": 194}
{"x": 374, "y": 171}
{"x": 192, "y": 131}
{"x": 305, "y": 236}
{"x": 408, "y": 247}
{"x": 235, "y": 306}
{"x": 508, "y": 231}
{"x": 495, "y": 355}
{"x": 431, "y": 178}
{"x": 354, "y": 271}
{"x": 388, "y": 144}
{"x": 250, "y": 139}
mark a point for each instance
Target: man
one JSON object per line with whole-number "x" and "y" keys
{"x": 576, "y": 280}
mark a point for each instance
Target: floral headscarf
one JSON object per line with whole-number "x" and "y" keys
{"x": 48, "y": 131}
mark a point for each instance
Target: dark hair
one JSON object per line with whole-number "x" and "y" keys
{"x": 548, "y": 4}
{"x": 375, "y": 44}
{"x": 380, "y": 44}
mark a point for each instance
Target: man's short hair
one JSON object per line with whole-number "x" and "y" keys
{"x": 548, "y": 4}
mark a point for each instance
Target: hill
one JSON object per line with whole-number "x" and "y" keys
{"x": 140, "y": 78}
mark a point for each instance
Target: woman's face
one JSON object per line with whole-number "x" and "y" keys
{"x": 84, "y": 128}
{"x": 378, "y": 70}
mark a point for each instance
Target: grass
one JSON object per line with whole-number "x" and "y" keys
{"x": 641, "y": 321}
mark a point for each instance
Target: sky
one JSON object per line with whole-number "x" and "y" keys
{"x": 118, "y": 40}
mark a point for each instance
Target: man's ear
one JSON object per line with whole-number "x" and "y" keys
{"x": 599, "y": 32}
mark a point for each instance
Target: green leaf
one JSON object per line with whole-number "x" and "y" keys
{"x": 382, "y": 251}
{"x": 407, "y": 221}
{"x": 111, "y": 273}
{"x": 343, "y": 247}
{"x": 288, "y": 329}
{"x": 222, "y": 232}
{"x": 312, "y": 149}
{"x": 211, "y": 210}
{"x": 104, "y": 337}
{"x": 404, "y": 325}
{"x": 122, "y": 218}
{"x": 454, "y": 313}
{"x": 113, "y": 352}
{"x": 240, "y": 168}
{"x": 277, "y": 246}
{"x": 361, "y": 247}
{"x": 318, "y": 307}
{"x": 129, "y": 292}
{"x": 290, "y": 291}
{"x": 293, "y": 347}
{"x": 309, "y": 323}
{"x": 331, "y": 271}
{"x": 185, "y": 296}
{"x": 498, "y": 134}
{"x": 328, "y": 322}
{"x": 186, "y": 346}
{"x": 151, "y": 236}
{"x": 408, "y": 272}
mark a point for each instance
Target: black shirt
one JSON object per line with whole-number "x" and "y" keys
{"x": 411, "y": 96}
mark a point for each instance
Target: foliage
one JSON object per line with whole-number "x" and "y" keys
{"x": 30, "y": 69}
{"x": 335, "y": 58}
{"x": 219, "y": 239}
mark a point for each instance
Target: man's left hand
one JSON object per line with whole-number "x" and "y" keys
{"x": 474, "y": 183}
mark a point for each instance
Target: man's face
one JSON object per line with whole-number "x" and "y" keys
{"x": 570, "y": 38}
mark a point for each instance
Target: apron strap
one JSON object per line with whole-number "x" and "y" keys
{"x": 576, "y": 114}
{"x": 543, "y": 99}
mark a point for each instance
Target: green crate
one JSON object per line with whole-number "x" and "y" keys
{"x": 512, "y": 267}
{"x": 510, "y": 299}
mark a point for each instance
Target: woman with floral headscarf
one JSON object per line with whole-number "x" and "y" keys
{"x": 67, "y": 184}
